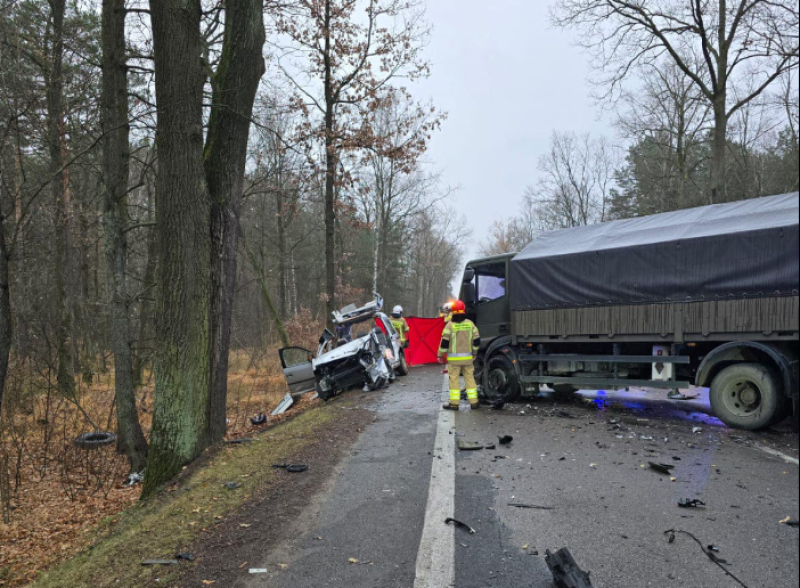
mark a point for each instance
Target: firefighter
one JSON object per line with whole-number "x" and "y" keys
{"x": 400, "y": 325}
{"x": 446, "y": 312}
{"x": 461, "y": 342}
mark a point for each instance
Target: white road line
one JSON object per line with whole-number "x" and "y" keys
{"x": 783, "y": 456}
{"x": 436, "y": 556}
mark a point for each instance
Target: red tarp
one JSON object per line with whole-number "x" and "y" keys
{"x": 424, "y": 340}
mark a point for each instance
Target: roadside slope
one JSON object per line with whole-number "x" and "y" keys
{"x": 194, "y": 511}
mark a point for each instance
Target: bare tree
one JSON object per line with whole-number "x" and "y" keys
{"x": 353, "y": 49}
{"x": 116, "y": 176}
{"x": 576, "y": 182}
{"x": 721, "y": 45}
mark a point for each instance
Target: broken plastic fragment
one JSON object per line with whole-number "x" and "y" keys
{"x": 460, "y": 525}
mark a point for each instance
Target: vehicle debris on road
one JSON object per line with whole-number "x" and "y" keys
{"x": 531, "y": 507}
{"x": 506, "y": 440}
{"x": 691, "y": 503}
{"x": 565, "y": 570}
{"x": 459, "y": 525}
{"x": 292, "y": 469}
{"x": 662, "y": 468}
{"x": 709, "y": 553}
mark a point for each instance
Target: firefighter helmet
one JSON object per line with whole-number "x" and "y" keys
{"x": 459, "y": 307}
{"x": 398, "y": 310}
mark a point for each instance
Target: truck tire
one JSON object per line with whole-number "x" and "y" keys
{"x": 403, "y": 369}
{"x": 501, "y": 380}
{"x": 747, "y": 396}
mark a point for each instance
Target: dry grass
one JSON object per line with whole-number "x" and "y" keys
{"x": 59, "y": 494}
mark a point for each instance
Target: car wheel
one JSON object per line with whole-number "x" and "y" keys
{"x": 747, "y": 396}
{"x": 403, "y": 369}
{"x": 501, "y": 380}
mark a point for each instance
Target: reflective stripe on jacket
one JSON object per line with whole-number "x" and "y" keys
{"x": 401, "y": 326}
{"x": 460, "y": 338}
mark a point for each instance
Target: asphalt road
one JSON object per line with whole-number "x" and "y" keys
{"x": 379, "y": 523}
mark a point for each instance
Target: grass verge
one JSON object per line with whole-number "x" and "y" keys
{"x": 171, "y": 522}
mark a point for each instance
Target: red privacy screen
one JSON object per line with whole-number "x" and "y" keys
{"x": 424, "y": 340}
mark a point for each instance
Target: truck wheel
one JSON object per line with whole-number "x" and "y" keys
{"x": 747, "y": 396}
{"x": 502, "y": 381}
{"x": 564, "y": 389}
{"x": 403, "y": 369}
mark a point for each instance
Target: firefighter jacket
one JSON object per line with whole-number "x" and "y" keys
{"x": 461, "y": 341}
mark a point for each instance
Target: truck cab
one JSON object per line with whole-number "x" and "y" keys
{"x": 485, "y": 291}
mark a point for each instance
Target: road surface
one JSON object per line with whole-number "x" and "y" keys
{"x": 379, "y": 520}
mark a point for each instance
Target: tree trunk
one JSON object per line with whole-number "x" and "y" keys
{"x": 58, "y": 180}
{"x": 720, "y": 151}
{"x": 234, "y": 91}
{"x": 116, "y": 171}
{"x": 6, "y": 324}
{"x": 183, "y": 214}
{"x": 283, "y": 296}
{"x": 330, "y": 176}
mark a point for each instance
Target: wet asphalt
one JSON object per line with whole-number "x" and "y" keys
{"x": 585, "y": 460}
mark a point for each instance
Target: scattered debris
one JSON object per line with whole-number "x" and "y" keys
{"x": 563, "y": 414}
{"x": 238, "y": 441}
{"x": 721, "y": 563}
{"x": 566, "y": 572}
{"x": 691, "y": 503}
{"x": 790, "y": 522}
{"x": 647, "y": 438}
{"x": 160, "y": 562}
{"x": 285, "y": 405}
{"x": 697, "y": 430}
{"x": 185, "y": 557}
{"x": 292, "y": 469}
{"x": 232, "y": 485}
{"x": 491, "y": 447}
{"x": 134, "y": 478}
{"x": 469, "y": 446}
{"x": 662, "y": 468}
{"x": 255, "y": 571}
{"x": 499, "y": 405}
{"x": 506, "y": 440}
{"x": 531, "y": 507}
{"x": 259, "y": 420}
{"x": 460, "y": 525}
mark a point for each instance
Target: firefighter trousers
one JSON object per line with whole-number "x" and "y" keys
{"x": 467, "y": 370}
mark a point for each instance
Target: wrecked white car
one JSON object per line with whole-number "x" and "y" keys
{"x": 365, "y": 351}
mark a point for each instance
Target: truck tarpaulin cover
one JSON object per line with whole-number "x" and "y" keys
{"x": 423, "y": 340}
{"x": 739, "y": 250}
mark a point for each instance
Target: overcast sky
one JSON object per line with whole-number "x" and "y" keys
{"x": 507, "y": 80}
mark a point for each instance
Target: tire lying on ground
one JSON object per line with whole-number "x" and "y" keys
{"x": 95, "y": 440}
{"x": 748, "y": 396}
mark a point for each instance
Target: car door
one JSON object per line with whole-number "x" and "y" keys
{"x": 298, "y": 369}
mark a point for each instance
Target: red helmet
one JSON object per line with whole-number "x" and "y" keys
{"x": 459, "y": 307}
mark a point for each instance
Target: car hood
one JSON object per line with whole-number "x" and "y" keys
{"x": 343, "y": 352}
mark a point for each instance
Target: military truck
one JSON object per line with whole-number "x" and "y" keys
{"x": 705, "y": 297}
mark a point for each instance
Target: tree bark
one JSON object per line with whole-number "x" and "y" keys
{"x": 58, "y": 185}
{"x": 183, "y": 216}
{"x": 116, "y": 172}
{"x": 235, "y": 84}
{"x": 330, "y": 174}
{"x": 720, "y": 150}
{"x": 6, "y": 324}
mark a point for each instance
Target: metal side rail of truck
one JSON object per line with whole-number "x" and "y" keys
{"x": 704, "y": 297}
